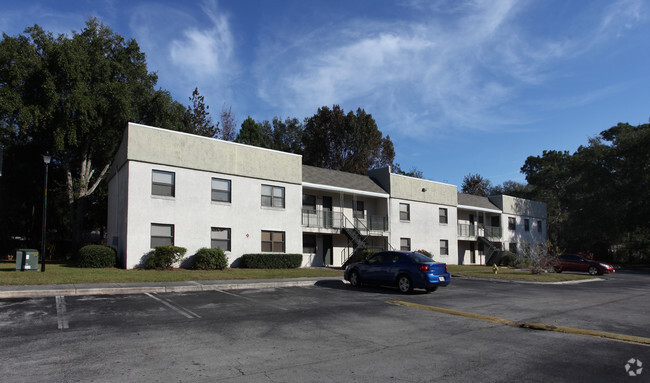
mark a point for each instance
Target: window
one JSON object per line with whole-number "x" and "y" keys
{"x": 308, "y": 244}
{"x": 360, "y": 210}
{"x": 444, "y": 247}
{"x": 163, "y": 183}
{"x": 527, "y": 224}
{"x": 273, "y": 241}
{"x": 511, "y": 223}
{"x": 404, "y": 212}
{"x": 309, "y": 202}
{"x": 405, "y": 244}
{"x": 443, "y": 215}
{"x": 539, "y": 226}
{"x": 220, "y": 190}
{"x": 220, "y": 238}
{"x": 512, "y": 247}
{"x": 161, "y": 235}
{"x": 272, "y": 196}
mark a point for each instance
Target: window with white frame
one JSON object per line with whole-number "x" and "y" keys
{"x": 163, "y": 183}
{"x": 443, "y": 218}
{"x": 273, "y": 241}
{"x": 444, "y": 247}
{"x": 162, "y": 234}
{"x": 220, "y": 238}
{"x": 272, "y": 196}
{"x": 404, "y": 212}
{"x": 405, "y": 244}
{"x": 512, "y": 223}
{"x": 221, "y": 190}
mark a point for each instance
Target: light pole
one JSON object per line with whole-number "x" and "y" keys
{"x": 46, "y": 161}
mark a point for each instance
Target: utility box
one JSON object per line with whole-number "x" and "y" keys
{"x": 26, "y": 259}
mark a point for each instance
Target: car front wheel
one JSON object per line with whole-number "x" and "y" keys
{"x": 354, "y": 279}
{"x": 593, "y": 270}
{"x": 404, "y": 284}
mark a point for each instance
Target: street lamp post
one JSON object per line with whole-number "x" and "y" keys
{"x": 46, "y": 160}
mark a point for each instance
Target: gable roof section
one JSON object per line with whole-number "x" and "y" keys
{"x": 466, "y": 201}
{"x": 340, "y": 181}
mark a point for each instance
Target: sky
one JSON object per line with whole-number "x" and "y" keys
{"x": 461, "y": 87}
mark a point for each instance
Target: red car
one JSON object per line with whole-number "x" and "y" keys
{"x": 572, "y": 262}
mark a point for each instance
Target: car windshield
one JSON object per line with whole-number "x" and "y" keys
{"x": 419, "y": 258}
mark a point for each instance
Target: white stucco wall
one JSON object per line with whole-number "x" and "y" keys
{"x": 424, "y": 228}
{"x": 193, "y": 214}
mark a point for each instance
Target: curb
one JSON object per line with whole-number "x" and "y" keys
{"x": 527, "y": 282}
{"x": 170, "y": 287}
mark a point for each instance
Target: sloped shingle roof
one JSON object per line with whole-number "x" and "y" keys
{"x": 476, "y": 201}
{"x": 327, "y": 177}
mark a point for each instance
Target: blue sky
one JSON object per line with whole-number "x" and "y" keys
{"x": 460, "y": 86}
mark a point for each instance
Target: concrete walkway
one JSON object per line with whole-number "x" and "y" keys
{"x": 33, "y": 291}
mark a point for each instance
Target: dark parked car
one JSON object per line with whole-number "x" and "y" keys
{"x": 405, "y": 270}
{"x": 572, "y": 262}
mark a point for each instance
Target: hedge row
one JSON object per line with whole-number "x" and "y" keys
{"x": 97, "y": 256}
{"x": 271, "y": 261}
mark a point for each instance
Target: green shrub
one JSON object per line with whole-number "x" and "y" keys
{"x": 209, "y": 259}
{"x": 164, "y": 257}
{"x": 97, "y": 256}
{"x": 271, "y": 261}
{"x": 509, "y": 259}
{"x": 523, "y": 262}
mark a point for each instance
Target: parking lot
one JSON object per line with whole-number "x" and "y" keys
{"x": 331, "y": 332}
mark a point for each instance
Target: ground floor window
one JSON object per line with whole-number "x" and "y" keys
{"x": 512, "y": 247}
{"x": 309, "y": 244}
{"x": 220, "y": 238}
{"x": 161, "y": 234}
{"x": 405, "y": 244}
{"x": 273, "y": 241}
{"x": 444, "y": 247}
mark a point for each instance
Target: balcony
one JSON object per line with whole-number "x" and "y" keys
{"x": 473, "y": 231}
{"x": 323, "y": 219}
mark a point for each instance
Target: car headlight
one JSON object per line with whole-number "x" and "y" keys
{"x": 604, "y": 265}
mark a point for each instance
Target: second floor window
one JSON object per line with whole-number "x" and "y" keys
{"x": 163, "y": 183}
{"x": 511, "y": 223}
{"x": 404, "y": 212}
{"x": 442, "y": 215}
{"x": 220, "y": 190}
{"x": 272, "y": 196}
{"x": 527, "y": 224}
{"x": 539, "y": 226}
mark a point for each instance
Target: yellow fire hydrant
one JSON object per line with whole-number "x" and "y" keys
{"x": 495, "y": 269}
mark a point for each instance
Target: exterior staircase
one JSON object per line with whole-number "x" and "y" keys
{"x": 492, "y": 253}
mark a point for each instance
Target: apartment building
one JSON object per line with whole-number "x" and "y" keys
{"x": 168, "y": 187}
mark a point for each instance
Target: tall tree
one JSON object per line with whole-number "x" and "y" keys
{"x": 197, "y": 117}
{"x": 351, "y": 142}
{"x": 73, "y": 96}
{"x": 227, "y": 124}
{"x": 476, "y": 184}
{"x": 251, "y": 133}
{"x": 287, "y": 135}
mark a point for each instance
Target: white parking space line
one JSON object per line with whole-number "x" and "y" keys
{"x": 252, "y": 300}
{"x": 181, "y": 310}
{"x": 60, "y": 312}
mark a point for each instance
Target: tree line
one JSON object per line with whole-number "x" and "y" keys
{"x": 598, "y": 198}
{"x": 72, "y": 97}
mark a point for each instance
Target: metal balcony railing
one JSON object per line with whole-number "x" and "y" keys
{"x": 336, "y": 220}
{"x": 467, "y": 230}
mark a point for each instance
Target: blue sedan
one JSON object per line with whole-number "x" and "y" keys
{"x": 405, "y": 270}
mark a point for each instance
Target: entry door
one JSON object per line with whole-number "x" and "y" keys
{"x": 327, "y": 212}
{"x": 327, "y": 250}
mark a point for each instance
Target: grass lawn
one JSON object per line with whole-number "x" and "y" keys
{"x": 513, "y": 274}
{"x": 56, "y": 274}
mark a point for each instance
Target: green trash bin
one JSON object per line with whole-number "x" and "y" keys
{"x": 26, "y": 259}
